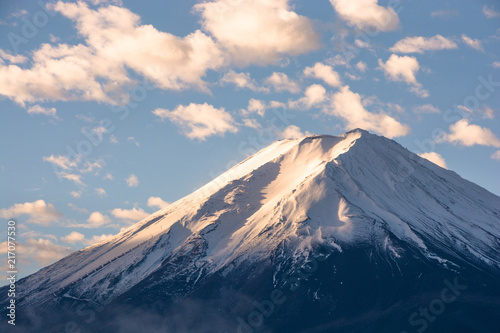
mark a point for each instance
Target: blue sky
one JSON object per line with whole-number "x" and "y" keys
{"x": 111, "y": 110}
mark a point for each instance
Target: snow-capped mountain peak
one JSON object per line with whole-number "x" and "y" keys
{"x": 338, "y": 192}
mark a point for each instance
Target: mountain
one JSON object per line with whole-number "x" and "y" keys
{"x": 320, "y": 234}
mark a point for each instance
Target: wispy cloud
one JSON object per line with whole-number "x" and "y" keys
{"x": 474, "y": 43}
{"x": 61, "y": 161}
{"x": 426, "y": 108}
{"x": 361, "y": 66}
{"x": 445, "y": 13}
{"x": 77, "y": 179}
{"x": 38, "y": 109}
{"x": 490, "y": 13}
{"x": 132, "y": 180}
{"x": 421, "y": 44}
{"x": 134, "y": 141}
{"x": 14, "y": 59}
{"x": 100, "y": 191}
{"x": 242, "y": 81}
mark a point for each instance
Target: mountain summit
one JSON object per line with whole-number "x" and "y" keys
{"x": 348, "y": 234}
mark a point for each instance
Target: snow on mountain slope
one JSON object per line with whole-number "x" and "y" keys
{"x": 316, "y": 190}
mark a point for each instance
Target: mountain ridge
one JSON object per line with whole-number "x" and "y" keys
{"x": 288, "y": 200}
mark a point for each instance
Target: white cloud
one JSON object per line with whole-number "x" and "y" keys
{"x": 323, "y": 72}
{"x": 132, "y": 180}
{"x": 100, "y": 191}
{"x": 98, "y": 69}
{"x": 496, "y": 64}
{"x": 157, "y": 202}
{"x": 96, "y": 239}
{"x": 76, "y": 237}
{"x": 108, "y": 176}
{"x": 291, "y": 132}
{"x": 242, "y": 80}
{"x": 474, "y": 43}
{"x": 255, "y": 105}
{"x": 422, "y": 44}
{"x": 468, "y": 135}
{"x": 496, "y": 155}
{"x": 129, "y": 215}
{"x": 43, "y": 251}
{"x": 403, "y": 68}
{"x": 73, "y": 237}
{"x": 113, "y": 139}
{"x": 445, "y": 13}
{"x": 366, "y": 14}
{"x": 361, "y": 66}
{"x": 426, "y": 108}
{"x": 349, "y": 106}
{"x": 314, "y": 95}
{"x": 400, "y": 68}
{"x": 490, "y": 12}
{"x": 281, "y": 82}
{"x": 199, "y": 121}
{"x": 96, "y": 220}
{"x": 38, "y": 211}
{"x": 260, "y": 107}
{"x": 434, "y": 158}
{"x": 258, "y": 31}
{"x": 38, "y": 109}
